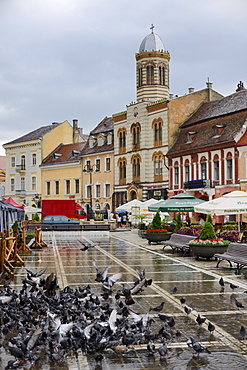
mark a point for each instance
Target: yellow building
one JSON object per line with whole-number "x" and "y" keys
{"x": 98, "y": 167}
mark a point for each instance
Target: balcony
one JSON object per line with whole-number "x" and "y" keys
{"x": 122, "y": 181}
{"x": 122, "y": 150}
{"x": 198, "y": 184}
{"x": 158, "y": 178}
{"x": 20, "y": 193}
{"x": 136, "y": 146}
{"x": 20, "y": 168}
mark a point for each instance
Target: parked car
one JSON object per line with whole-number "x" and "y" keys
{"x": 58, "y": 220}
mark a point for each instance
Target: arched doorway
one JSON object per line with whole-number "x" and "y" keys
{"x": 133, "y": 195}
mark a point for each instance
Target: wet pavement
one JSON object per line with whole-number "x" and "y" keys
{"x": 196, "y": 281}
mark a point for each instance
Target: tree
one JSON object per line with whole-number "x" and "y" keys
{"x": 36, "y": 217}
{"x": 179, "y": 222}
{"x": 156, "y": 223}
{"x": 208, "y": 231}
{"x": 209, "y": 219}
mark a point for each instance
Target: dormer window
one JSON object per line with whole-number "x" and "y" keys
{"x": 218, "y": 129}
{"x": 109, "y": 139}
{"x": 190, "y": 136}
{"x": 91, "y": 142}
{"x": 100, "y": 141}
{"x": 56, "y": 155}
{"x": 75, "y": 153}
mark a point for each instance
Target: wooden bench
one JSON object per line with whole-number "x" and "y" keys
{"x": 179, "y": 242}
{"x": 236, "y": 253}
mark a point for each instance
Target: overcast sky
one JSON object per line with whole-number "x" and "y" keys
{"x": 66, "y": 59}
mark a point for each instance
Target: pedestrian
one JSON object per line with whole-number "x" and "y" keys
{"x": 124, "y": 220}
{"x": 118, "y": 220}
{"x": 201, "y": 219}
{"x": 130, "y": 220}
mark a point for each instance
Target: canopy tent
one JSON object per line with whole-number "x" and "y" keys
{"x": 8, "y": 215}
{"x": 149, "y": 215}
{"x": 178, "y": 203}
{"x": 14, "y": 203}
{"x": 30, "y": 211}
{"x": 229, "y": 204}
{"x": 128, "y": 206}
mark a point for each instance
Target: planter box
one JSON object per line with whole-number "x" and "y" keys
{"x": 207, "y": 251}
{"x": 157, "y": 237}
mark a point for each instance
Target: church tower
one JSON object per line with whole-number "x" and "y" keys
{"x": 152, "y": 69}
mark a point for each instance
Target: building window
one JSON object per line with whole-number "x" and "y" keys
{"x": 97, "y": 189}
{"x": 33, "y": 182}
{"x": 23, "y": 162}
{"x": 216, "y": 168}
{"x": 109, "y": 139}
{"x": 122, "y": 171}
{"x": 77, "y": 186}
{"x": 150, "y": 75}
{"x": 23, "y": 183}
{"x": 187, "y": 172}
{"x": 135, "y": 130}
{"x": 34, "y": 159}
{"x": 107, "y": 190}
{"x": 48, "y": 188}
{"x": 67, "y": 187}
{"x": 157, "y": 127}
{"x": 108, "y": 164}
{"x": 13, "y": 162}
{"x": 100, "y": 141}
{"x": 229, "y": 169}
{"x": 139, "y": 77}
{"x": 203, "y": 163}
{"x": 97, "y": 162}
{"x": 88, "y": 165}
{"x": 12, "y": 184}
{"x": 135, "y": 160}
{"x": 89, "y": 191}
{"x": 122, "y": 140}
{"x": 162, "y": 75}
{"x": 56, "y": 187}
{"x": 176, "y": 173}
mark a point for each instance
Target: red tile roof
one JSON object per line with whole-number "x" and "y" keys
{"x": 64, "y": 154}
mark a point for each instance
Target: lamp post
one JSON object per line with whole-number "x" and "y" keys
{"x": 88, "y": 168}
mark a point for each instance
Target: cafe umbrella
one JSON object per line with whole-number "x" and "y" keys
{"x": 182, "y": 202}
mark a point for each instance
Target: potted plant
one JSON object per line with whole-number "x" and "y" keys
{"x": 155, "y": 233}
{"x": 208, "y": 243}
{"x": 141, "y": 225}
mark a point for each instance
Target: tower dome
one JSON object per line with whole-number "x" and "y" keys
{"x": 151, "y": 42}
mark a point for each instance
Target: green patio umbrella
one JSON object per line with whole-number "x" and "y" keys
{"x": 178, "y": 203}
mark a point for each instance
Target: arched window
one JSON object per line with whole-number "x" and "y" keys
{"x": 136, "y": 167}
{"x": 150, "y": 75}
{"x": 158, "y": 160}
{"x": 122, "y": 140}
{"x": 187, "y": 170}
{"x": 203, "y": 163}
{"x": 139, "y": 77}
{"x": 23, "y": 162}
{"x": 157, "y": 127}
{"x": 176, "y": 173}
{"x": 135, "y": 130}
{"x": 122, "y": 170}
{"x": 229, "y": 171}
{"x": 162, "y": 75}
{"x": 216, "y": 168}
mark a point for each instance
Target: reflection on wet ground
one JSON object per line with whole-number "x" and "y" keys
{"x": 197, "y": 284}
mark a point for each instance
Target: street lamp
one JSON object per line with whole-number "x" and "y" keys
{"x": 88, "y": 168}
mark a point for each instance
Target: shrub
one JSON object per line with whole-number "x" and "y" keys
{"x": 208, "y": 231}
{"x": 179, "y": 222}
{"x": 156, "y": 223}
{"x": 36, "y": 217}
{"x": 231, "y": 235}
{"x": 209, "y": 219}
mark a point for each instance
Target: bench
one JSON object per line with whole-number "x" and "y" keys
{"x": 236, "y": 253}
{"x": 179, "y": 242}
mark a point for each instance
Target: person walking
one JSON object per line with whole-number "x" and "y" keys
{"x": 130, "y": 220}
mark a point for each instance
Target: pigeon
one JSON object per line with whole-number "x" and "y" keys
{"x": 187, "y": 310}
{"x": 157, "y": 308}
{"x": 196, "y": 346}
{"x": 238, "y": 304}
{"x": 174, "y": 290}
{"x": 221, "y": 282}
{"x": 182, "y": 300}
{"x": 233, "y": 287}
{"x": 211, "y": 328}
{"x": 98, "y": 358}
{"x": 151, "y": 347}
{"x": 163, "y": 351}
{"x": 101, "y": 275}
{"x": 200, "y": 320}
{"x": 243, "y": 332}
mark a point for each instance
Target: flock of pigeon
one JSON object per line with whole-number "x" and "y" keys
{"x": 43, "y": 320}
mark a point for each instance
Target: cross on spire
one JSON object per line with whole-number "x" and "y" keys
{"x": 152, "y": 28}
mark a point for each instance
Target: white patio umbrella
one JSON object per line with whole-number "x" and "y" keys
{"x": 234, "y": 203}
{"x": 128, "y": 206}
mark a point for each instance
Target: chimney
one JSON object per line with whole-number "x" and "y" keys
{"x": 191, "y": 90}
{"x": 75, "y": 131}
{"x": 209, "y": 86}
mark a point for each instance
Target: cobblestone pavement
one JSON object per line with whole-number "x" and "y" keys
{"x": 196, "y": 281}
